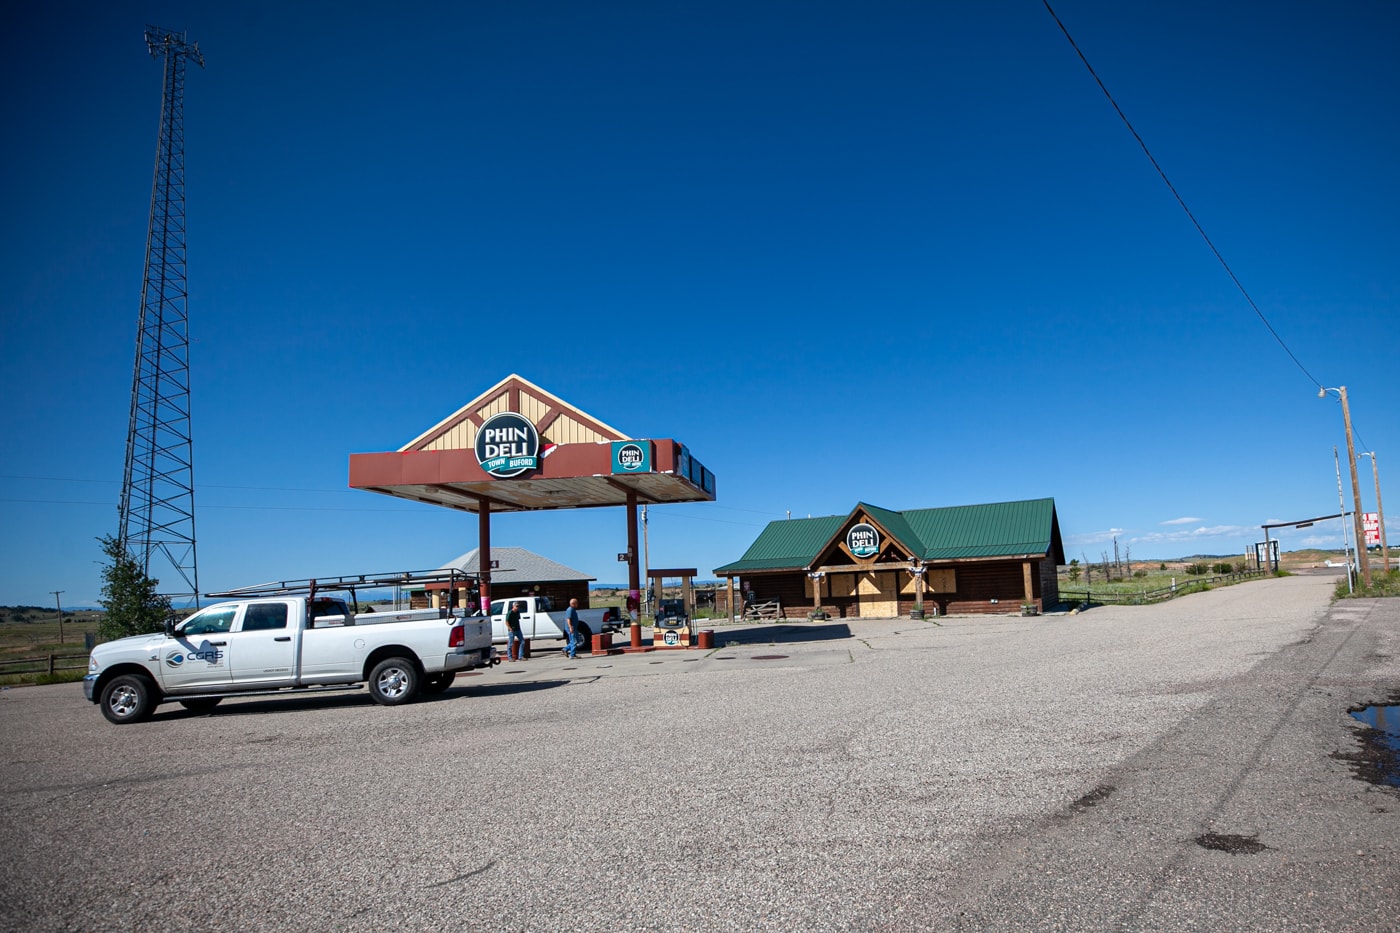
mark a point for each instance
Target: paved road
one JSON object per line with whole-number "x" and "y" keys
{"x": 981, "y": 774}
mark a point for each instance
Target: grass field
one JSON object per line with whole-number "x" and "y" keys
{"x": 30, "y": 633}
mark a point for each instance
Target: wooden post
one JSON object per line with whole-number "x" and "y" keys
{"x": 483, "y": 552}
{"x": 1030, "y": 589}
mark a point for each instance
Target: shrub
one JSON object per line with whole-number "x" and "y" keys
{"x": 129, "y": 596}
{"x": 1223, "y": 568}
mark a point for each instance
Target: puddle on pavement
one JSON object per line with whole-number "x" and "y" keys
{"x": 1378, "y": 759}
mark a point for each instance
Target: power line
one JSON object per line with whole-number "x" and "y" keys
{"x": 1179, "y": 200}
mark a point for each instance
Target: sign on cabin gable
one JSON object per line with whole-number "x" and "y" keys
{"x": 863, "y": 540}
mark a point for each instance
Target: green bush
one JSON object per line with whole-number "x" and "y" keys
{"x": 133, "y": 605}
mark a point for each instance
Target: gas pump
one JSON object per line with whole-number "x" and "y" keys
{"x": 673, "y": 627}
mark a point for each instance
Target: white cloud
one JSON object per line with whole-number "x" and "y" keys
{"x": 1196, "y": 534}
{"x": 1092, "y": 537}
{"x": 1182, "y": 521}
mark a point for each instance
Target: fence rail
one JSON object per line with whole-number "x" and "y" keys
{"x": 47, "y": 664}
{"x": 1143, "y": 597}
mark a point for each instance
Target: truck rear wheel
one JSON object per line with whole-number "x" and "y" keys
{"x": 437, "y": 683}
{"x": 393, "y": 681}
{"x": 128, "y": 698}
{"x": 583, "y": 637}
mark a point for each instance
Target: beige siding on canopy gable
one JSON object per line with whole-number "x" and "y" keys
{"x": 533, "y": 408}
{"x": 462, "y": 436}
{"x": 560, "y": 422}
{"x": 566, "y": 430}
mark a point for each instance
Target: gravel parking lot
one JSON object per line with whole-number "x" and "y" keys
{"x": 1050, "y": 773}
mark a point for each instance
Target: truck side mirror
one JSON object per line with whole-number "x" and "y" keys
{"x": 169, "y": 626}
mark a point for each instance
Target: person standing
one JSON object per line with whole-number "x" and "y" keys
{"x": 571, "y": 622}
{"x": 515, "y": 639}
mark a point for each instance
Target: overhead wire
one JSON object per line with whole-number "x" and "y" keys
{"x": 1179, "y": 199}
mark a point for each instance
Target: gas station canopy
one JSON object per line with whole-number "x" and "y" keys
{"x": 519, "y": 448}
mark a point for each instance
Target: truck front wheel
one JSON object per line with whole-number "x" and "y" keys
{"x": 393, "y": 681}
{"x": 128, "y": 698}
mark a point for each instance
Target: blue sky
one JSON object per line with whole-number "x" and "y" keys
{"x": 895, "y": 252}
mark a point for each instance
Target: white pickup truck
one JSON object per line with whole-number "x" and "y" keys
{"x": 271, "y": 644}
{"x": 539, "y": 618}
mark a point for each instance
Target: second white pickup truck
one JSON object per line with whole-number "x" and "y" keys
{"x": 269, "y": 644}
{"x": 540, "y": 618}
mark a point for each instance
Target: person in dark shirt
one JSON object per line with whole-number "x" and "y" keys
{"x": 515, "y": 639}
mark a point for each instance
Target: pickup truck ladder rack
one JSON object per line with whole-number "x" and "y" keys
{"x": 446, "y": 579}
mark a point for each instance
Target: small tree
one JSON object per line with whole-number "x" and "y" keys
{"x": 133, "y": 607}
{"x": 1074, "y": 571}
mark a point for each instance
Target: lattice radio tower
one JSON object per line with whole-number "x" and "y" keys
{"x": 157, "y": 507}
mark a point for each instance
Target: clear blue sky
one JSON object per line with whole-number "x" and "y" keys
{"x": 898, "y": 252}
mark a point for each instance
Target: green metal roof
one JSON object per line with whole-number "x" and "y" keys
{"x": 787, "y": 544}
{"x": 999, "y": 529}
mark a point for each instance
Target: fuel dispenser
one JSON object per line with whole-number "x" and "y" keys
{"x": 673, "y": 627}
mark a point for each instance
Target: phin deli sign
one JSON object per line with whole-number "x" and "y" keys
{"x": 863, "y": 540}
{"x": 507, "y": 445}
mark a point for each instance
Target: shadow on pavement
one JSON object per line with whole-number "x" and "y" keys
{"x": 780, "y": 633}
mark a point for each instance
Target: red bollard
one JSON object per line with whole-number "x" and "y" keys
{"x": 525, "y": 649}
{"x": 636, "y": 635}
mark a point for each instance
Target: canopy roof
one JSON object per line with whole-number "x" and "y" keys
{"x": 576, "y": 465}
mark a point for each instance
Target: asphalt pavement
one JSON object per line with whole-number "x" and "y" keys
{"x": 1171, "y": 767}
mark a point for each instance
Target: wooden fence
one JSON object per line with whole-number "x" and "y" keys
{"x": 1143, "y": 597}
{"x": 48, "y": 664}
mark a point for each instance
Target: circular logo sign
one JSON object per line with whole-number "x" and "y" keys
{"x": 507, "y": 445}
{"x": 630, "y": 457}
{"x": 863, "y": 540}
{"x": 671, "y": 638}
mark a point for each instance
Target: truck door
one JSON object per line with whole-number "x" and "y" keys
{"x": 198, "y": 654}
{"x": 262, "y": 651}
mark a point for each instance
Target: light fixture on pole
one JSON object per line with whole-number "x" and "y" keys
{"x": 1380, "y": 509}
{"x": 1355, "y": 487}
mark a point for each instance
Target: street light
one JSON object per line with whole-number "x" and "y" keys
{"x": 1380, "y": 509}
{"x": 1355, "y": 486}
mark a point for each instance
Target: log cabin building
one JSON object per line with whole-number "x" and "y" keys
{"x": 876, "y": 563}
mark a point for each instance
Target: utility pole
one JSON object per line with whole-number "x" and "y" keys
{"x": 1341, "y": 500}
{"x": 60, "y": 613}
{"x": 1380, "y": 510}
{"x": 1355, "y": 486}
{"x": 646, "y": 564}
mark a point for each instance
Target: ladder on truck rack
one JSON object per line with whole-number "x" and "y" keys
{"x": 449, "y": 580}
